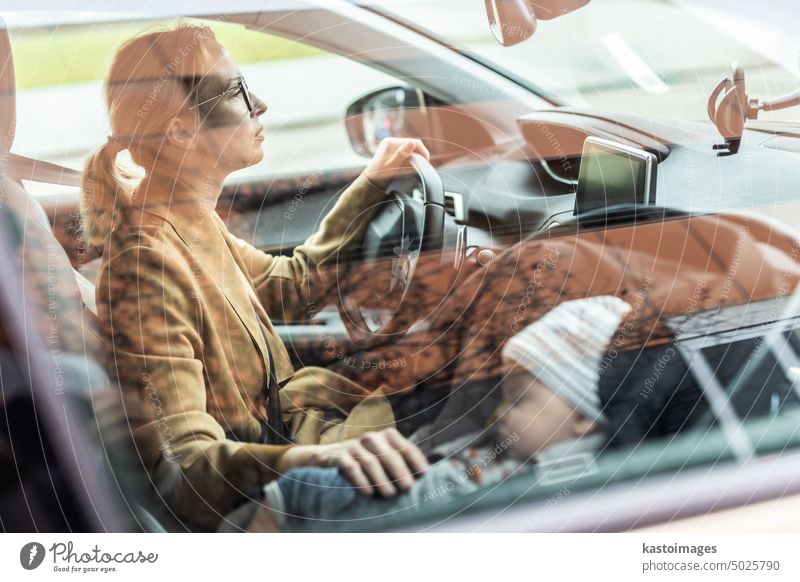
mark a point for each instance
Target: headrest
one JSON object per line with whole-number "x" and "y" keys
{"x": 8, "y": 92}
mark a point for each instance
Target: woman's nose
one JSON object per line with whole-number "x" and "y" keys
{"x": 259, "y": 107}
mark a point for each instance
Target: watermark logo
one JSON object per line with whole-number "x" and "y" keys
{"x": 31, "y": 555}
{"x": 69, "y": 559}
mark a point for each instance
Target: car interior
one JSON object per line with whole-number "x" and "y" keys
{"x": 485, "y": 193}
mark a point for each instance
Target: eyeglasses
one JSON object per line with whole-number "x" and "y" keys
{"x": 241, "y": 86}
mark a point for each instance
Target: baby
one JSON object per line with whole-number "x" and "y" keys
{"x": 551, "y": 410}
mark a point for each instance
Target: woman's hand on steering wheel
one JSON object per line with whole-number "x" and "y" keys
{"x": 392, "y": 158}
{"x": 384, "y": 461}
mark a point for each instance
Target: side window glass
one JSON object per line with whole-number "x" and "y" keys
{"x": 59, "y": 72}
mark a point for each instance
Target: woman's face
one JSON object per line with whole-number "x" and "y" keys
{"x": 230, "y": 136}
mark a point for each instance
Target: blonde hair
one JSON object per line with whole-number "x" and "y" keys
{"x": 145, "y": 89}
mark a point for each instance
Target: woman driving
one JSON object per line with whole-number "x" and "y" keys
{"x": 185, "y": 305}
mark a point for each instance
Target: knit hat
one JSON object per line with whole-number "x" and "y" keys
{"x": 564, "y": 349}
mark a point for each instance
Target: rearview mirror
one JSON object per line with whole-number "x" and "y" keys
{"x": 513, "y": 21}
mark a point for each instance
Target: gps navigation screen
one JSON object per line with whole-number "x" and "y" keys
{"x": 613, "y": 174}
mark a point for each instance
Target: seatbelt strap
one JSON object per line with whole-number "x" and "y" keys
{"x": 22, "y": 168}
{"x": 274, "y": 431}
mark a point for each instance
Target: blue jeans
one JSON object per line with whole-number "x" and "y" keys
{"x": 306, "y": 495}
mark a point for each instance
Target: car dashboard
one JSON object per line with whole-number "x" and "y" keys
{"x": 525, "y": 186}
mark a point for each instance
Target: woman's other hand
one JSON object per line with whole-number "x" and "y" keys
{"x": 392, "y": 158}
{"x": 382, "y": 461}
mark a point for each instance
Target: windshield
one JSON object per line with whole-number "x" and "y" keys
{"x": 651, "y": 57}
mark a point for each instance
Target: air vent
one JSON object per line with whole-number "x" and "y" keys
{"x": 454, "y": 205}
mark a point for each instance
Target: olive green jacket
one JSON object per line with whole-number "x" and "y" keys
{"x": 185, "y": 345}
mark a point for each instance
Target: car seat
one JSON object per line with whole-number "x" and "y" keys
{"x": 56, "y": 301}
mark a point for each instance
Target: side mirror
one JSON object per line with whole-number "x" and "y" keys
{"x": 393, "y": 112}
{"x": 513, "y": 21}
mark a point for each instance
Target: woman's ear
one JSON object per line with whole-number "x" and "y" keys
{"x": 583, "y": 425}
{"x": 180, "y": 133}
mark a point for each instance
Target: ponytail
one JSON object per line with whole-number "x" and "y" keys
{"x": 105, "y": 191}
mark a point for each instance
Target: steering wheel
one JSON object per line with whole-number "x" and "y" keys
{"x": 400, "y": 231}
